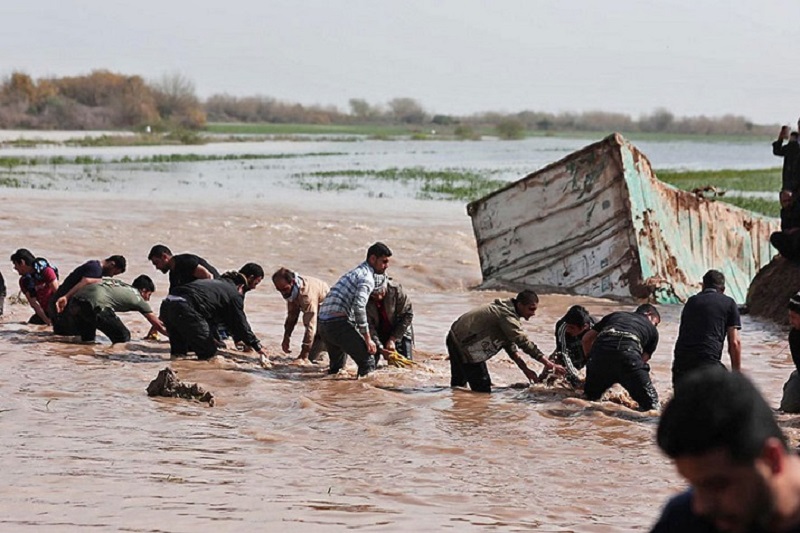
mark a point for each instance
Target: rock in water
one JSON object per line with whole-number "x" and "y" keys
{"x": 167, "y": 384}
{"x": 769, "y": 292}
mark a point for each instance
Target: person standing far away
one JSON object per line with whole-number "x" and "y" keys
{"x": 790, "y": 402}
{"x": 343, "y": 314}
{"x": 479, "y": 334}
{"x": 707, "y": 319}
{"x": 303, "y": 294}
{"x": 38, "y": 281}
{"x": 723, "y": 439}
{"x": 619, "y": 348}
{"x": 790, "y": 152}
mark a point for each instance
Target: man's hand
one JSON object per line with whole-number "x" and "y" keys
{"x": 286, "y": 345}
{"x": 531, "y": 375}
{"x": 784, "y": 133}
{"x": 61, "y": 304}
{"x": 558, "y": 370}
{"x": 371, "y": 347}
{"x": 264, "y": 359}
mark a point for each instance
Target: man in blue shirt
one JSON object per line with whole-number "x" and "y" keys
{"x": 343, "y": 314}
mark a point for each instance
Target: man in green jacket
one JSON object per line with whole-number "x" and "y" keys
{"x": 480, "y": 334}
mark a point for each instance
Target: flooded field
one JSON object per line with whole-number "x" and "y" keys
{"x": 290, "y": 448}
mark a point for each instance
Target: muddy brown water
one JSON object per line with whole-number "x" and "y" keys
{"x": 291, "y": 449}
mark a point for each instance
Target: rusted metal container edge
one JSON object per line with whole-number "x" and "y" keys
{"x": 599, "y": 223}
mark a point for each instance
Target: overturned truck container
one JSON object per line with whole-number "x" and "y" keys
{"x": 599, "y": 223}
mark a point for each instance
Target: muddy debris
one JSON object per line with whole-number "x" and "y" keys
{"x": 769, "y": 292}
{"x": 167, "y": 384}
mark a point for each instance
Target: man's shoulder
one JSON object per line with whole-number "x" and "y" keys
{"x": 677, "y": 516}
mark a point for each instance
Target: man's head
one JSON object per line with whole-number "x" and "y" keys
{"x": 145, "y": 286}
{"x": 577, "y": 320}
{"x": 253, "y": 273}
{"x": 724, "y": 440}
{"x": 526, "y": 303}
{"x": 650, "y": 311}
{"x": 794, "y": 311}
{"x": 714, "y": 279}
{"x": 793, "y": 137}
{"x": 285, "y": 282}
{"x": 23, "y": 261}
{"x": 785, "y": 198}
{"x": 160, "y": 255}
{"x": 378, "y": 257}
{"x": 237, "y": 278}
{"x": 114, "y": 265}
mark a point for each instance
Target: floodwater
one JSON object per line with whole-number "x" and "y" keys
{"x": 290, "y": 448}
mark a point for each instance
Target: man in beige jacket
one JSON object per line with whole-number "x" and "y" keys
{"x": 302, "y": 294}
{"x": 480, "y": 334}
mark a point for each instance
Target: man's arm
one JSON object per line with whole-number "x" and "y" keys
{"x": 735, "y": 349}
{"x": 360, "y": 311}
{"x": 530, "y": 374}
{"x": 37, "y": 308}
{"x": 292, "y": 315}
{"x": 202, "y": 272}
{"x": 61, "y": 303}
{"x": 588, "y": 341}
{"x": 156, "y": 323}
{"x": 515, "y": 335}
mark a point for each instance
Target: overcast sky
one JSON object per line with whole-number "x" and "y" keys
{"x": 692, "y": 57}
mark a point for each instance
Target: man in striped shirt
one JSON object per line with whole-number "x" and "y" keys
{"x": 343, "y": 315}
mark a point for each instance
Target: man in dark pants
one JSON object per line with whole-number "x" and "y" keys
{"x": 619, "y": 347}
{"x": 2, "y": 293}
{"x": 193, "y": 311}
{"x": 343, "y": 314}
{"x": 91, "y": 271}
{"x": 389, "y": 313}
{"x": 706, "y": 320}
{"x": 724, "y": 440}
{"x": 481, "y": 333}
{"x": 94, "y": 306}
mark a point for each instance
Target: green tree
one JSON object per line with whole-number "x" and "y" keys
{"x": 509, "y": 129}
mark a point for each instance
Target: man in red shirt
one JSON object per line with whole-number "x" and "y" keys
{"x": 38, "y": 282}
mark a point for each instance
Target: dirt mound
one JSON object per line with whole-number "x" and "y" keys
{"x": 769, "y": 293}
{"x": 167, "y": 384}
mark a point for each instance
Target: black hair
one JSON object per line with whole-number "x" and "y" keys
{"x": 527, "y": 297}
{"x": 285, "y": 274}
{"x": 577, "y": 315}
{"x": 379, "y": 250}
{"x": 157, "y": 250}
{"x": 119, "y": 261}
{"x": 714, "y": 279}
{"x": 649, "y": 310}
{"x": 252, "y": 270}
{"x": 716, "y": 409}
{"x": 23, "y": 255}
{"x": 144, "y": 282}
{"x": 237, "y": 278}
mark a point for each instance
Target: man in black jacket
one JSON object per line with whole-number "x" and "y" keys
{"x": 790, "y": 152}
{"x": 193, "y": 311}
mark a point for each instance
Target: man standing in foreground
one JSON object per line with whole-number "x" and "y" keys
{"x": 619, "y": 347}
{"x": 723, "y": 439}
{"x": 790, "y": 401}
{"x": 706, "y": 320}
{"x": 480, "y": 334}
{"x": 343, "y": 314}
{"x": 303, "y": 294}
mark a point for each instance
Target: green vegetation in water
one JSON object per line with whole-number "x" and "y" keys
{"x": 764, "y": 206}
{"x": 447, "y": 184}
{"x": 308, "y": 129}
{"x": 13, "y": 162}
{"x": 768, "y": 179}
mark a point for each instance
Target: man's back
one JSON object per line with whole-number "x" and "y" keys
{"x": 89, "y": 269}
{"x": 114, "y": 294}
{"x": 183, "y": 268}
{"x": 705, "y": 320}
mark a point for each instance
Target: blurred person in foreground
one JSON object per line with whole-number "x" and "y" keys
{"x": 479, "y": 334}
{"x": 723, "y": 439}
{"x": 790, "y": 401}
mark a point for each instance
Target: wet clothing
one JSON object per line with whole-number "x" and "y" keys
{"x": 791, "y": 156}
{"x": 678, "y": 517}
{"x": 480, "y": 334}
{"x": 311, "y": 292}
{"x": 617, "y": 357}
{"x": 569, "y": 350}
{"x": 183, "y": 267}
{"x": 461, "y": 374}
{"x": 62, "y": 322}
{"x": 39, "y": 285}
{"x": 2, "y": 293}
{"x": 391, "y": 318}
{"x": 705, "y": 320}
{"x": 787, "y": 244}
{"x": 790, "y": 402}
{"x": 192, "y": 312}
{"x": 94, "y": 307}
{"x": 343, "y": 319}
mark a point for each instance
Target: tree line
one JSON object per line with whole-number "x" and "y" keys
{"x": 107, "y": 100}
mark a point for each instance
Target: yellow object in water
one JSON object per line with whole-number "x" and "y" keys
{"x": 395, "y": 359}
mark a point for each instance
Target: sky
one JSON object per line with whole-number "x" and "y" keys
{"x": 691, "y": 57}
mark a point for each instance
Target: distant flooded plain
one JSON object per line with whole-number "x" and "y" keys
{"x": 291, "y": 449}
